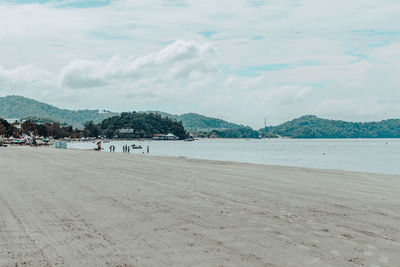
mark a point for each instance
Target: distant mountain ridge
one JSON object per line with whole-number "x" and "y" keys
{"x": 17, "y": 107}
{"x": 195, "y": 122}
{"x": 310, "y": 126}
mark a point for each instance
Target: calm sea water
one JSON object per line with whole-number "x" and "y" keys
{"x": 364, "y": 155}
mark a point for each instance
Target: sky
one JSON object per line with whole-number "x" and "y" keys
{"x": 240, "y": 60}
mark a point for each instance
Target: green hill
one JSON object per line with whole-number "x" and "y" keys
{"x": 313, "y": 127}
{"x": 144, "y": 125}
{"x": 196, "y": 123}
{"x": 244, "y": 132}
{"x": 17, "y": 107}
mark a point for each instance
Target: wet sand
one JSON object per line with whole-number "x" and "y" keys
{"x": 86, "y": 208}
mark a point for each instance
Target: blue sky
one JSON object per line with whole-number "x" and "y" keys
{"x": 238, "y": 60}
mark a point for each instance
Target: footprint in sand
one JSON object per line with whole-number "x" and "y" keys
{"x": 352, "y": 243}
{"x": 384, "y": 259}
{"x": 313, "y": 261}
{"x": 335, "y": 253}
{"x": 302, "y": 245}
{"x": 368, "y": 253}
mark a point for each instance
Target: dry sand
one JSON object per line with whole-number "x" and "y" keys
{"x": 85, "y": 208}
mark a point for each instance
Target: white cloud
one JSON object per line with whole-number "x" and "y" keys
{"x": 183, "y": 60}
{"x": 23, "y": 79}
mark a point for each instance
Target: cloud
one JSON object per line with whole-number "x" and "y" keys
{"x": 81, "y": 74}
{"x": 363, "y": 107}
{"x": 180, "y": 61}
{"x": 22, "y": 78}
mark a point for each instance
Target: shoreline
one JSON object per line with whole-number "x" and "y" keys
{"x": 77, "y": 207}
{"x": 318, "y": 155}
{"x": 212, "y": 161}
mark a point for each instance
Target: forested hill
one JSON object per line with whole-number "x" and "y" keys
{"x": 144, "y": 126}
{"x": 17, "y": 107}
{"x": 313, "y": 127}
{"x": 195, "y": 122}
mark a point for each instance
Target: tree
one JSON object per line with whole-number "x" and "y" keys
{"x": 6, "y": 129}
{"x": 91, "y": 129}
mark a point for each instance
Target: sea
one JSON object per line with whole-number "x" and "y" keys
{"x": 361, "y": 155}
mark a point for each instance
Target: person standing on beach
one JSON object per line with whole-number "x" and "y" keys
{"x": 148, "y": 149}
{"x": 129, "y": 149}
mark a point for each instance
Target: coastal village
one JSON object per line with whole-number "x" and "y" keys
{"x": 22, "y": 136}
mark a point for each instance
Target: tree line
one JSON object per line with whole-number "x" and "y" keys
{"x": 29, "y": 127}
{"x": 142, "y": 126}
{"x": 313, "y": 127}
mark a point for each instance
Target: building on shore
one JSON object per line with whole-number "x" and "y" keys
{"x": 126, "y": 131}
{"x": 169, "y": 137}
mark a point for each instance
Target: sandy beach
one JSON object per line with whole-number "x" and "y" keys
{"x": 86, "y": 208}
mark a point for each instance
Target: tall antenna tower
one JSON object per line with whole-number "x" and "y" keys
{"x": 265, "y": 122}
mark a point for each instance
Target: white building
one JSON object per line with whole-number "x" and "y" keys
{"x": 126, "y": 131}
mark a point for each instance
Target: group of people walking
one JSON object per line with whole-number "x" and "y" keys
{"x": 126, "y": 149}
